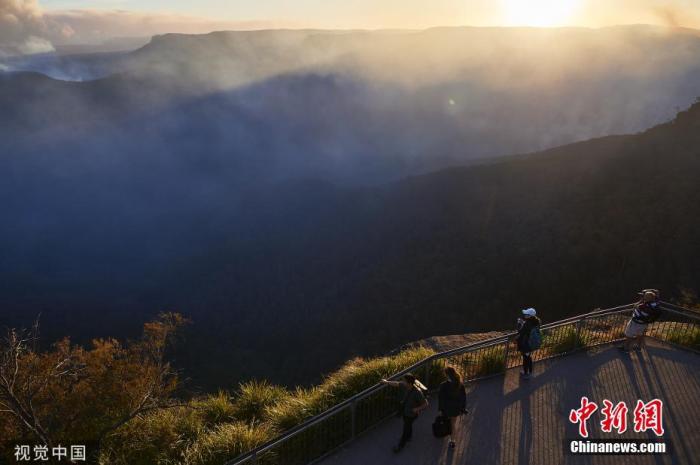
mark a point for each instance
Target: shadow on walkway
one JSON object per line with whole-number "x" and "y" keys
{"x": 520, "y": 422}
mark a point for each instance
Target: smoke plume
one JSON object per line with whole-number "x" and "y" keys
{"x": 23, "y": 29}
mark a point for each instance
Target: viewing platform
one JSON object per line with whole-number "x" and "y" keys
{"x": 516, "y": 421}
{"x": 513, "y": 421}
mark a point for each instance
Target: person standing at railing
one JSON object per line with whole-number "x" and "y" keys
{"x": 413, "y": 403}
{"x": 646, "y": 311}
{"x": 528, "y": 339}
{"x": 452, "y": 400}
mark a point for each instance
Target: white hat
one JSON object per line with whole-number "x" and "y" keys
{"x": 530, "y": 312}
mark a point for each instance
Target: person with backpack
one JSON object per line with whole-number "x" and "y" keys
{"x": 646, "y": 311}
{"x": 529, "y": 338}
{"x": 452, "y": 400}
{"x": 413, "y": 402}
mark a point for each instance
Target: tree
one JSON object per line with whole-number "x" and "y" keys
{"x": 26, "y": 376}
{"x": 72, "y": 395}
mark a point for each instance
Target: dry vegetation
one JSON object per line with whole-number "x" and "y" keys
{"x": 120, "y": 398}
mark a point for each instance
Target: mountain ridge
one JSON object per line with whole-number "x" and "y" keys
{"x": 229, "y": 208}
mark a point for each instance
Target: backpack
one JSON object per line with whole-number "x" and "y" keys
{"x": 535, "y": 338}
{"x": 655, "y": 313}
{"x": 647, "y": 313}
{"x": 441, "y": 426}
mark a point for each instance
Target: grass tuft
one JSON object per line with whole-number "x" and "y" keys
{"x": 225, "y": 442}
{"x": 215, "y": 409}
{"x": 490, "y": 363}
{"x": 353, "y": 377}
{"x": 562, "y": 340}
{"x": 217, "y": 428}
{"x": 158, "y": 437}
{"x": 254, "y": 398}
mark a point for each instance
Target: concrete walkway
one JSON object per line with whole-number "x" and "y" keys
{"x": 513, "y": 421}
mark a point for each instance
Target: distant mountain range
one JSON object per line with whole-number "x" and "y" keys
{"x": 355, "y": 106}
{"x": 296, "y": 194}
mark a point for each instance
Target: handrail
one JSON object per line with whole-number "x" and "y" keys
{"x": 444, "y": 354}
{"x": 680, "y": 310}
{"x": 554, "y": 324}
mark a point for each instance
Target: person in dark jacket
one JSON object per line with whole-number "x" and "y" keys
{"x": 452, "y": 400}
{"x": 413, "y": 402}
{"x": 646, "y": 311}
{"x": 526, "y": 324}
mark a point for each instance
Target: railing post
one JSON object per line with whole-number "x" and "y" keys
{"x": 505, "y": 360}
{"x": 254, "y": 459}
{"x": 353, "y": 419}
{"x": 426, "y": 374}
{"x": 579, "y": 323}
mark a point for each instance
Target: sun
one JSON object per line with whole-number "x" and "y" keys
{"x": 541, "y": 13}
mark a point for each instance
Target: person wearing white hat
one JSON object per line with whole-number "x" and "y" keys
{"x": 528, "y": 338}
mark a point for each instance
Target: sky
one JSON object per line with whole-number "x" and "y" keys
{"x": 412, "y": 13}
{"x": 33, "y": 26}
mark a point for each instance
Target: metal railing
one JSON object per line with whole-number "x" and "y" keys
{"x": 325, "y": 433}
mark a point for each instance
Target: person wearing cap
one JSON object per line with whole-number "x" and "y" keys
{"x": 526, "y": 324}
{"x": 413, "y": 403}
{"x": 645, "y": 311}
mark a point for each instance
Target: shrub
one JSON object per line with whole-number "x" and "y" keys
{"x": 489, "y": 363}
{"x": 561, "y": 340}
{"x": 68, "y": 393}
{"x": 215, "y": 409}
{"x": 360, "y": 374}
{"x": 157, "y": 437}
{"x": 297, "y": 407}
{"x": 216, "y": 428}
{"x": 225, "y": 442}
{"x": 254, "y": 398}
{"x": 353, "y": 377}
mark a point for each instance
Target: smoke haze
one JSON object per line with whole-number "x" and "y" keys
{"x": 175, "y": 176}
{"x": 22, "y": 28}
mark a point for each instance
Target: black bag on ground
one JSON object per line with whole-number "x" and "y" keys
{"x": 441, "y": 426}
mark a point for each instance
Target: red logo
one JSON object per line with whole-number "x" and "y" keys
{"x": 614, "y": 417}
{"x": 647, "y": 416}
{"x": 582, "y": 415}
